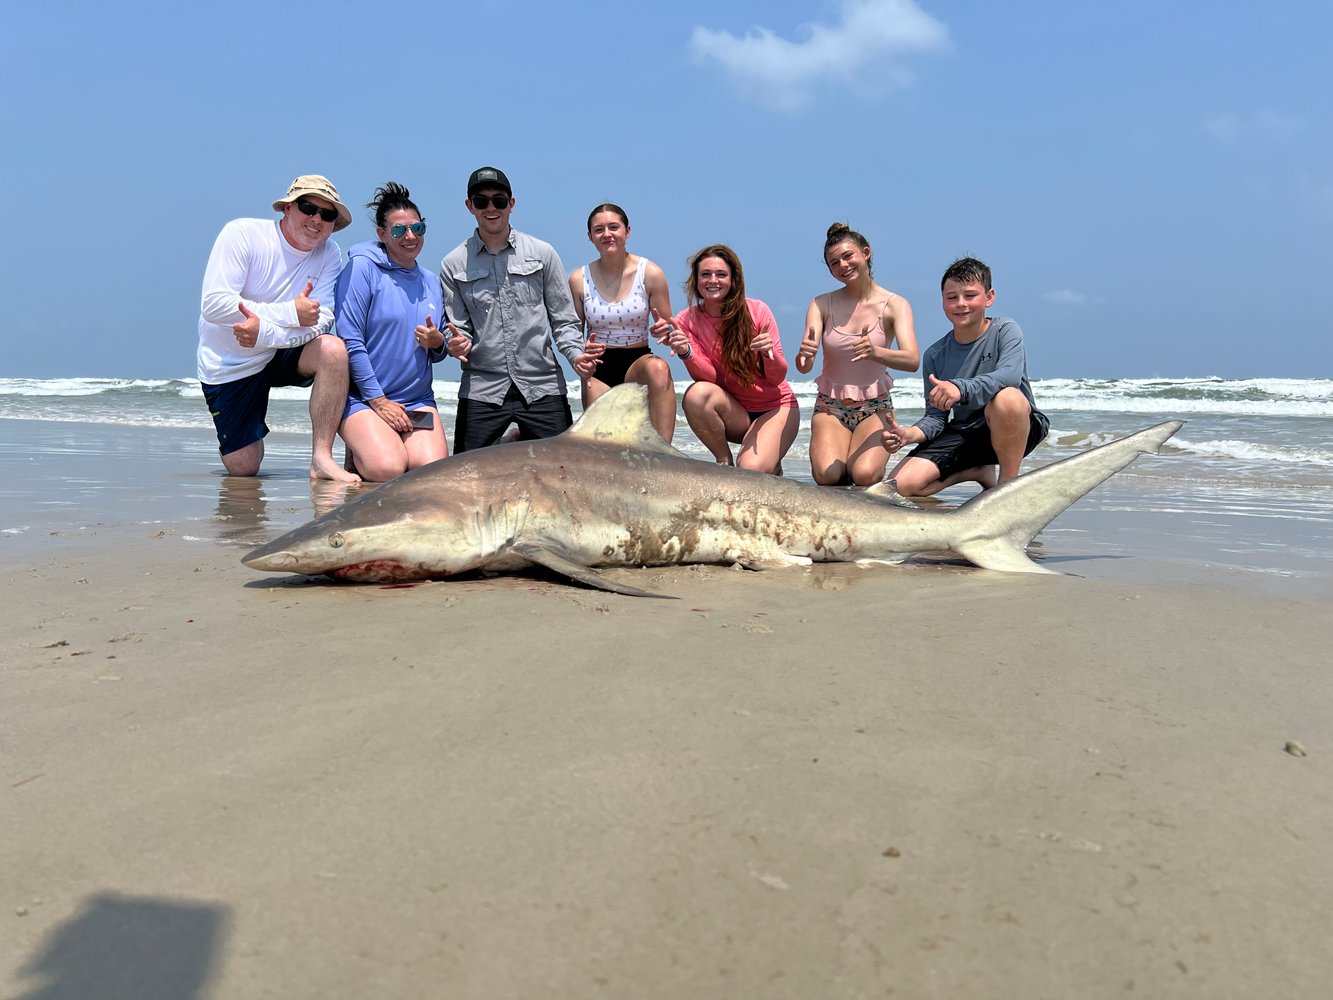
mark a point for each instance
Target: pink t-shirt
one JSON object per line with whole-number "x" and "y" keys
{"x": 770, "y": 389}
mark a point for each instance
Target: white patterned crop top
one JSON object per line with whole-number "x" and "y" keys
{"x": 617, "y": 324}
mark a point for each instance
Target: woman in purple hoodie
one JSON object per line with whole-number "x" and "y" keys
{"x": 386, "y": 306}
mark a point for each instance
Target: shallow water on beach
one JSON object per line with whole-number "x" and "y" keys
{"x": 1245, "y": 487}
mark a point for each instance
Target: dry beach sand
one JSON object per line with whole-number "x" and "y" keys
{"x": 811, "y": 783}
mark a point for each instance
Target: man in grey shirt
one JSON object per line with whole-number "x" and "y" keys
{"x": 505, "y": 298}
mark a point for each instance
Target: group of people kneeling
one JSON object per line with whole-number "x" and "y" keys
{"x": 501, "y": 301}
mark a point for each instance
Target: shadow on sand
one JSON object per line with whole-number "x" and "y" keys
{"x": 130, "y": 948}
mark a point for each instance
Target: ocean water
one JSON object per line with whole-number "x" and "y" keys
{"x": 1247, "y": 485}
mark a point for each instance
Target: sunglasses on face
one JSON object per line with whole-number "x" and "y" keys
{"x": 399, "y": 231}
{"x": 310, "y": 208}
{"x": 481, "y": 201}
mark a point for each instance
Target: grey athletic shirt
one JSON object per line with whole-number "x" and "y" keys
{"x": 980, "y": 370}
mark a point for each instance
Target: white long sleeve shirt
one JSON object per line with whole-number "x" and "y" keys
{"x": 252, "y": 262}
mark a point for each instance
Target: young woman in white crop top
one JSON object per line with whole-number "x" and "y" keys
{"x": 616, "y": 296}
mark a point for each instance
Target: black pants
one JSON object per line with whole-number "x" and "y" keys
{"x": 481, "y": 424}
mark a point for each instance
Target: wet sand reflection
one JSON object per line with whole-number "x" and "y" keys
{"x": 252, "y": 510}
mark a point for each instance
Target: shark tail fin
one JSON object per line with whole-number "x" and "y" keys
{"x": 1001, "y": 522}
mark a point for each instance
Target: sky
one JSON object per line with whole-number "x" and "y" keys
{"x": 1151, "y": 183}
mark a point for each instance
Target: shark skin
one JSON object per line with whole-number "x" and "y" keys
{"x": 610, "y": 492}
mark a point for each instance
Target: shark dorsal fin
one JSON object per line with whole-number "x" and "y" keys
{"x": 620, "y": 416}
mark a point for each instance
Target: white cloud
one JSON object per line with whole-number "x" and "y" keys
{"x": 1065, "y": 297}
{"x": 782, "y": 73}
{"x": 1260, "y": 126}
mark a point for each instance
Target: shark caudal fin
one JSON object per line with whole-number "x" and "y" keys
{"x": 620, "y": 416}
{"x": 1001, "y": 522}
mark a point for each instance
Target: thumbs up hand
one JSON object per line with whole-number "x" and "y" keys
{"x": 247, "y": 331}
{"x": 862, "y": 349}
{"x": 307, "y": 309}
{"x": 429, "y": 335}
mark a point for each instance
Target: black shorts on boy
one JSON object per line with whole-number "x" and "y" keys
{"x": 953, "y": 451}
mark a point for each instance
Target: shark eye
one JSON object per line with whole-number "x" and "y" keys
{"x": 336, "y": 540}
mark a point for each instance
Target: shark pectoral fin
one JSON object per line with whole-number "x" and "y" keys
{"x": 544, "y": 554}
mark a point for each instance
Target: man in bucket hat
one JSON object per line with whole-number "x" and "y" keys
{"x": 268, "y": 297}
{"x": 506, "y": 297}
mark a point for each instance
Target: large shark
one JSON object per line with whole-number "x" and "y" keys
{"x": 610, "y": 492}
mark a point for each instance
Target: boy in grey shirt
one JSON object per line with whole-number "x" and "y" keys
{"x": 979, "y": 407}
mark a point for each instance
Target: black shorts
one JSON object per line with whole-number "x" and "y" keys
{"x": 239, "y": 407}
{"x": 482, "y": 424}
{"x": 954, "y": 450}
{"x": 616, "y": 363}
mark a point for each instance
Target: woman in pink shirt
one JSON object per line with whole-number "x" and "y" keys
{"x": 864, "y": 329}
{"x": 730, "y": 346}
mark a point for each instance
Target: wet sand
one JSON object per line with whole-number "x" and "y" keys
{"x": 835, "y": 782}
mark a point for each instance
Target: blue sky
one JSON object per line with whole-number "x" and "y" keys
{"x": 1151, "y": 183}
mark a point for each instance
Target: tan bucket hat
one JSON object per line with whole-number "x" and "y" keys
{"x": 321, "y": 187}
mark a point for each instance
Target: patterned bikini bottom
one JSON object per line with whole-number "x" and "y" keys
{"x": 851, "y": 416}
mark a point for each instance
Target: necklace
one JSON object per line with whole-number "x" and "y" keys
{"x": 606, "y": 282}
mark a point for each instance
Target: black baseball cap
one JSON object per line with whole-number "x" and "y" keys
{"x": 484, "y": 177}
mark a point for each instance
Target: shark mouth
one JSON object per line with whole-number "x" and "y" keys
{"x": 378, "y": 571}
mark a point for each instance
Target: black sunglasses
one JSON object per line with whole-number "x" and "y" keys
{"x": 399, "y": 231}
{"x": 310, "y": 208}
{"x": 481, "y": 201}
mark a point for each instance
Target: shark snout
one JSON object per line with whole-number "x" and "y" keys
{"x": 272, "y": 557}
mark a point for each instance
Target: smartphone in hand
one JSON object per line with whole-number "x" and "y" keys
{"x": 421, "y": 420}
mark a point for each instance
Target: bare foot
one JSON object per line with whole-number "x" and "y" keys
{"x": 324, "y": 467}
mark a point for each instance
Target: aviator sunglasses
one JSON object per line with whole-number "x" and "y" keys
{"x": 481, "y": 201}
{"x": 399, "y": 231}
{"x": 310, "y": 208}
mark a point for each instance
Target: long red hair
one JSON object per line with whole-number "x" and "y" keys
{"x": 737, "y": 325}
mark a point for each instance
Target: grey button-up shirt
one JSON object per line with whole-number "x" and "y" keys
{"x": 511, "y": 304}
